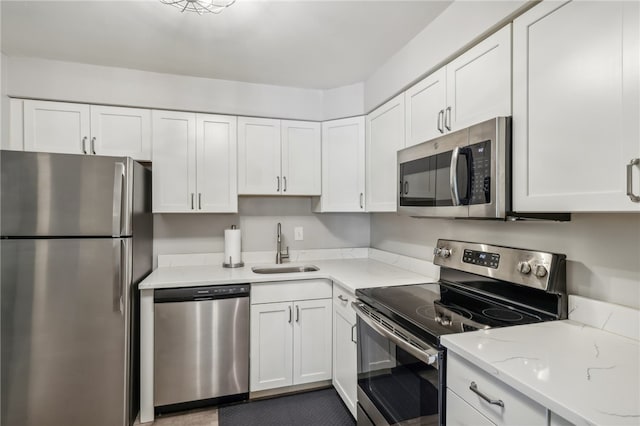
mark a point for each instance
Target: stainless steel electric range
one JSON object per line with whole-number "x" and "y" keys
{"x": 401, "y": 364}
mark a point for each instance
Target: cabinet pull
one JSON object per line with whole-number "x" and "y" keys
{"x": 84, "y": 145}
{"x": 341, "y": 297}
{"x": 297, "y": 313}
{"x": 406, "y": 187}
{"x": 354, "y": 340}
{"x": 289, "y": 314}
{"x": 200, "y": 200}
{"x": 361, "y": 200}
{"x": 473, "y": 387}
{"x": 284, "y": 184}
{"x": 440, "y": 120}
{"x": 447, "y": 119}
{"x": 278, "y": 179}
{"x": 93, "y": 145}
{"x": 635, "y": 198}
{"x": 192, "y": 197}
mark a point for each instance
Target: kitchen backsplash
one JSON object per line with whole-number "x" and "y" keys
{"x": 603, "y": 250}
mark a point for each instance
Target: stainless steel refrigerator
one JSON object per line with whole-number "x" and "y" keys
{"x": 76, "y": 240}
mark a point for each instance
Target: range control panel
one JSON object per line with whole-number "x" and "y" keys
{"x": 481, "y": 258}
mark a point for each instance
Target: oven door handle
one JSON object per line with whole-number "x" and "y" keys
{"x": 430, "y": 357}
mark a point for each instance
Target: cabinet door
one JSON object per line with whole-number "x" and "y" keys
{"x": 343, "y": 173}
{"x": 576, "y": 106}
{"x": 216, "y": 163}
{"x": 174, "y": 161}
{"x": 312, "y": 341}
{"x": 56, "y": 127}
{"x": 259, "y": 156}
{"x": 123, "y": 132}
{"x": 385, "y": 136}
{"x": 301, "y": 151}
{"x": 425, "y": 103}
{"x": 345, "y": 378}
{"x": 271, "y": 346}
{"x": 479, "y": 82}
{"x": 459, "y": 413}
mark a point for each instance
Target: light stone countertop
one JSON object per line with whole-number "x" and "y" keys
{"x": 585, "y": 369}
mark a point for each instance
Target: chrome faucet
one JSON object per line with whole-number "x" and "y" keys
{"x": 279, "y": 254}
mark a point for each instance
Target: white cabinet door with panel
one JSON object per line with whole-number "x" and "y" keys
{"x": 259, "y": 156}
{"x": 174, "y": 161}
{"x": 384, "y": 137}
{"x": 271, "y": 343}
{"x": 312, "y": 335}
{"x": 345, "y": 361}
{"x": 343, "y": 170}
{"x": 58, "y": 127}
{"x": 301, "y": 158}
{"x": 474, "y": 87}
{"x": 459, "y": 413}
{"x": 576, "y": 91}
{"x": 119, "y": 131}
{"x": 194, "y": 167}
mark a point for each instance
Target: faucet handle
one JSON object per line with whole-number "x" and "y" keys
{"x": 285, "y": 254}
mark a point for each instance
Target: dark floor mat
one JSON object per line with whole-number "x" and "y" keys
{"x": 322, "y": 407}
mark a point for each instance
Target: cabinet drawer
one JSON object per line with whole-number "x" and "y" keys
{"x": 284, "y": 291}
{"x": 518, "y": 409}
{"x": 459, "y": 413}
{"x": 342, "y": 301}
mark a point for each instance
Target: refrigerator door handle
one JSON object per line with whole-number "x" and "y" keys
{"x": 118, "y": 181}
{"x": 118, "y": 275}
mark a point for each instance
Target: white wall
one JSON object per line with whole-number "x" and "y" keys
{"x": 342, "y": 102}
{"x": 603, "y": 250}
{"x": 257, "y": 218}
{"x": 462, "y": 24}
{"x": 74, "y": 82}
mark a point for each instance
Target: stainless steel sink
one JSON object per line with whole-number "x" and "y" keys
{"x": 284, "y": 269}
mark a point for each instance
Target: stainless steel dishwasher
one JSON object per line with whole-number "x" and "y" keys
{"x": 201, "y": 346}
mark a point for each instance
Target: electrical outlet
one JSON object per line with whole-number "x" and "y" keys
{"x": 298, "y": 234}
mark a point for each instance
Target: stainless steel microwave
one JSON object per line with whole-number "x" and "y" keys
{"x": 464, "y": 174}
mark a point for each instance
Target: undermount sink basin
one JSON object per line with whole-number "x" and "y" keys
{"x": 284, "y": 269}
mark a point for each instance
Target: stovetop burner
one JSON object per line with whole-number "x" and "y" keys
{"x": 502, "y": 314}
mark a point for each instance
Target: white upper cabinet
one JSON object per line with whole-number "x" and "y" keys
{"x": 278, "y": 157}
{"x": 472, "y": 88}
{"x": 301, "y": 158}
{"x": 194, "y": 163}
{"x": 70, "y": 128}
{"x": 384, "y": 137}
{"x": 343, "y": 171}
{"x": 576, "y": 107}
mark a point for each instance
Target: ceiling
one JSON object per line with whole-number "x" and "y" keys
{"x": 303, "y": 43}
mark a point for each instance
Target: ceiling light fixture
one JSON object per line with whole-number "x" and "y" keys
{"x": 200, "y": 6}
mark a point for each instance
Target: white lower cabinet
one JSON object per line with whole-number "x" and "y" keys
{"x": 290, "y": 333}
{"x": 488, "y": 400}
{"x": 345, "y": 374}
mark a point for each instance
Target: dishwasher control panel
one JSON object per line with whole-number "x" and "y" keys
{"x": 187, "y": 294}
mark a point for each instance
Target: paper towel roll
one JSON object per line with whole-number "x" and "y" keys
{"x": 232, "y": 247}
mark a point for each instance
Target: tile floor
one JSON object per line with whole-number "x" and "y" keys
{"x": 203, "y": 417}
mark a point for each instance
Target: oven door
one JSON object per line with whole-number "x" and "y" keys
{"x": 434, "y": 177}
{"x": 398, "y": 382}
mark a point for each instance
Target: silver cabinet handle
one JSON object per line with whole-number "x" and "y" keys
{"x": 289, "y": 314}
{"x": 453, "y": 176}
{"x": 341, "y": 297}
{"x": 473, "y": 387}
{"x": 278, "y": 178}
{"x": 93, "y": 145}
{"x": 84, "y": 145}
{"x": 200, "y": 200}
{"x": 406, "y": 187}
{"x": 635, "y": 198}
{"x": 361, "y": 200}
{"x": 440, "y": 121}
{"x": 297, "y": 313}
{"x": 447, "y": 118}
{"x": 192, "y": 204}
{"x": 284, "y": 184}
{"x": 354, "y": 340}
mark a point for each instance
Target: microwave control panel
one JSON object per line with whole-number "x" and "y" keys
{"x": 480, "y": 172}
{"x": 481, "y": 258}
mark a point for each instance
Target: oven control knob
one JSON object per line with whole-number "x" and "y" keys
{"x": 442, "y": 252}
{"x": 524, "y": 267}
{"x": 539, "y": 271}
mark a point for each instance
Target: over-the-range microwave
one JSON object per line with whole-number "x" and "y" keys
{"x": 464, "y": 174}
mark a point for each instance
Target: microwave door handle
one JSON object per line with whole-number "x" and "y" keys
{"x": 453, "y": 176}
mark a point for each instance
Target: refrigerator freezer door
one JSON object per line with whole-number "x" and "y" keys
{"x": 65, "y": 195}
{"x": 65, "y": 331}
